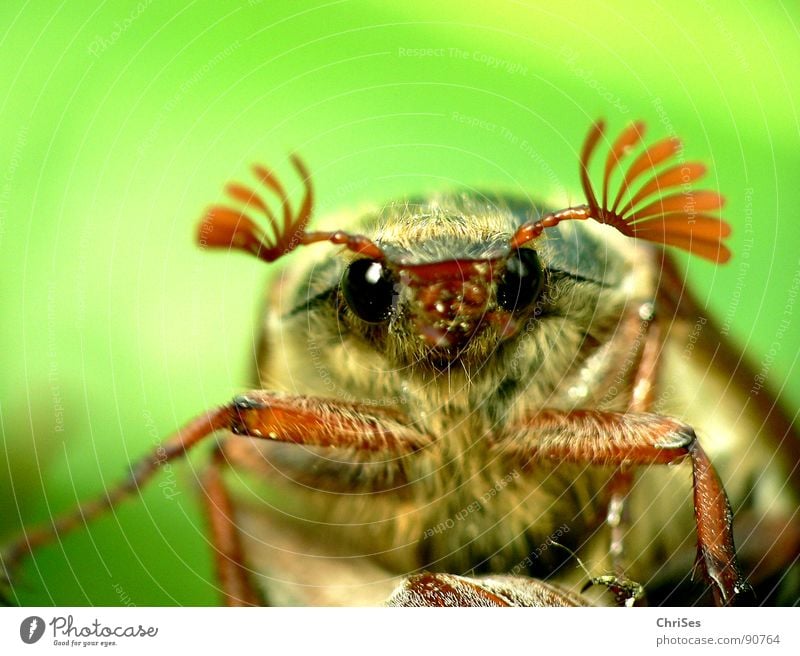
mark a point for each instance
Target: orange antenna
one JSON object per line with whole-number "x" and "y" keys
{"x": 226, "y": 227}
{"x": 655, "y": 212}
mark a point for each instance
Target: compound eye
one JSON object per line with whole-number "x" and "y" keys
{"x": 368, "y": 288}
{"x": 522, "y": 281}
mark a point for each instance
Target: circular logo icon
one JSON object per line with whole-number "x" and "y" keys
{"x": 31, "y": 629}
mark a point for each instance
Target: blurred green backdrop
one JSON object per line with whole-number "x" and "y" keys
{"x": 120, "y": 122}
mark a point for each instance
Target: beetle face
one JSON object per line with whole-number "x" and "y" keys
{"x": 450, "y": 293}
{"x": 446, "y": 304}
{"x": 455, "y": 300}
{"x": 443, "y": 294}
{"x": 450, "y": 302}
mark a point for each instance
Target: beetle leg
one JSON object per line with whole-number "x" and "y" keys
{"x": 649, "y": 341}
{"x": 626, "y": 593}
{"x": 322, "y": 422}
{"x": 618, "y": 517}
{"x": 232, "y": 573}
{"x": 609, "y": 439}
{"x": 172, "y": 448}
{"x": 259, "y": 414}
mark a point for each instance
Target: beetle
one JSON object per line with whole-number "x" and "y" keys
{"x": 474, "y": 388}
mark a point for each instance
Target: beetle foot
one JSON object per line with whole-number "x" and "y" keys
{"x": 626, "y": 592}
{"x": 729, "y": 586}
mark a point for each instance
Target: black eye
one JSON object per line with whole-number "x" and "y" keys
{"x": 368, "y": 289}
{"x": 522, "y": 281}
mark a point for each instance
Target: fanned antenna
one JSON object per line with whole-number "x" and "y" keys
{"x": 226, "y": 227}
{"x": 654, "y": 211}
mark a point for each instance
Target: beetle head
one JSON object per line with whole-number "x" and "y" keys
{"x": 449, "y": 301}
{"x": 453, "y": 298}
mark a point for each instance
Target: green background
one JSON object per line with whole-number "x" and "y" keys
{"x": 120, "y": 122}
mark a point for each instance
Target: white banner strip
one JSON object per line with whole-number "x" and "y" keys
{"x": 325, "y": 631}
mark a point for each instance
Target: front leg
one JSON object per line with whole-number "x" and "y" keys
{"x": 256, "y": 415}
{"x": 600, "y": 438}
{"x": 232, "y": 573}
